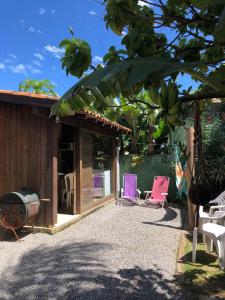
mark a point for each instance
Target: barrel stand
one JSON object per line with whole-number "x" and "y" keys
{"x": 6, "y": 227}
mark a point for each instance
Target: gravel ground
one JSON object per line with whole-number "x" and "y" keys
{"x": 116, "y": 253}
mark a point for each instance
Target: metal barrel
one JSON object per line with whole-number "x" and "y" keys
{"x": 16, "y": 208}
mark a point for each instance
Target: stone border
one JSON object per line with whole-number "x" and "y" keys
{"x": 180, "y": 252}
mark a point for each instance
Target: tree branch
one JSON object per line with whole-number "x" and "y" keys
{"x": 211, "y": 82}
{"x": 143, "y": 102}
{"x": 180, "y": 19}
{"x": 151, "y": 3}
{"x": 92, "y": 67}
{"x": 202, "y": 96}
{"x": 215, "y": 61}
{"x": 199, "y": 37}
{"x": 117, "y": 106}
{"x": 170, "y": 44}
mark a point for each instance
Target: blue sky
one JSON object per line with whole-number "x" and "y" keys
{"x": 32, "y": 30}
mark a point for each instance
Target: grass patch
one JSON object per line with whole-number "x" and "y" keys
{"x": 202, "y": 277}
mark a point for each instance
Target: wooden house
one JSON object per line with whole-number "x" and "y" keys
{"x": 38, "y": 151}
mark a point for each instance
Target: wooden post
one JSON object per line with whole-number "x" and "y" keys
{"x": 117, "y": 191}
{"x": 114, "y": 175}
{"x": 190, "y": 141}
{"x": 74, "y": 204}
{"x": 78, "y": 170}
{"x": 55, "y": 172}
{"x": 52, "y": 178}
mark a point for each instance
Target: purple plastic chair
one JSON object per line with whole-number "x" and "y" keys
{"x": 98, "y": 181}
{"x": 159, "y": 190}
{"x": 130, "y": 192}
{"x": 98, "y": 185}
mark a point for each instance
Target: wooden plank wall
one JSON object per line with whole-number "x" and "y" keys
{"x": 28, "y": 157}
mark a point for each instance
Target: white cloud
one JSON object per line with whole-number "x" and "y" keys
{"x": 55, "y": 51}
{"x": 39, "y": 56}
{"x": 32, "y": 70}
{"x": 142, "y": 3}
{"x": 8, "y": 60}
{"x": 31, "y": 29}
{"x": 2, "y": 66}
{"x": 20, "y": 68}
{"x": 13, "y": 56}
{"x": 97, "y": 59}
{"x": 42, "y": 11}
{"x": 37, "y": 63}
{"x": 123, "y": 33}
{"x": 92, "y": 13}
{"x": 24, "y": 69}
{"x": 35, "y": 71}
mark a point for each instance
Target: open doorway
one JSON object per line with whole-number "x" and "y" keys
{"x": 66, "y": 170}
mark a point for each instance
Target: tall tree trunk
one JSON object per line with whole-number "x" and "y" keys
{"x": 198, "y": 157}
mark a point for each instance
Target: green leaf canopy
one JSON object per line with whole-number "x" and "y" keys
{"x": 113, "y": 79}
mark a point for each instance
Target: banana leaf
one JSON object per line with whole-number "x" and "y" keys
{"x": 123, "y": 76}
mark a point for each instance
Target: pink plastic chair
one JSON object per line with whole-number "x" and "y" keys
{"x": 159, "y": 190}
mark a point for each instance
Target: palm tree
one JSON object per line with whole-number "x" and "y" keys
{"x": 38, "y": 87}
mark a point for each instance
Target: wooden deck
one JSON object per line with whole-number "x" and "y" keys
{"x": 64, "y": 221}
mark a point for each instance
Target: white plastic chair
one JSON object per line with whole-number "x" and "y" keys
{"x": 219, "y": 200}
{"x": 216, "y": 233}
{"x": 214, "y": 211}
{"x": 216, "y": 215}
{"x": 212, "y": 232}
{"x": 69, "y": 191}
